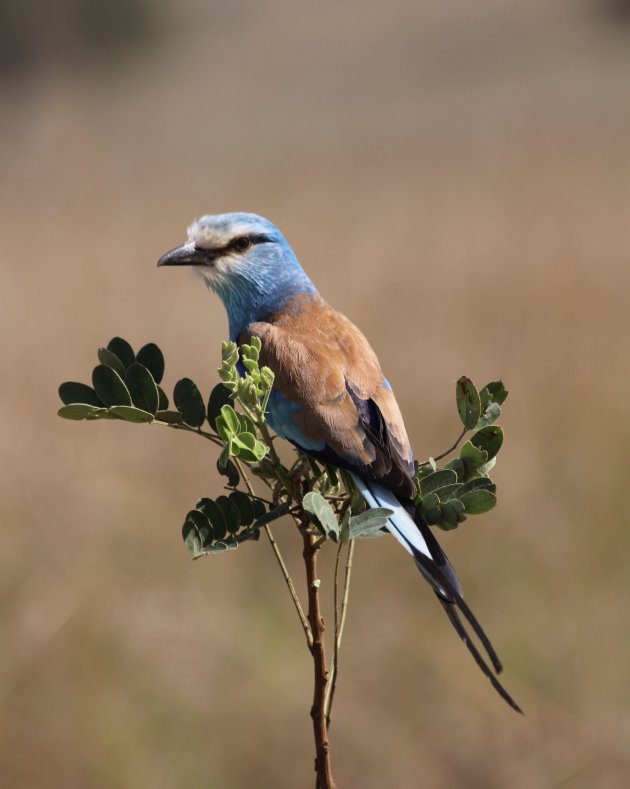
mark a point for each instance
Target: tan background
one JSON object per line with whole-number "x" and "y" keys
{"x": 455, "y": 176}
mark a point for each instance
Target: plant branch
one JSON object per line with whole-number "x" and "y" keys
{"x": 325, "y": 779}
{"x": 197, "y": 430}
{"x": 454, "y": 447}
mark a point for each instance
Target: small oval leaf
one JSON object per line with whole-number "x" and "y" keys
{"x": 170, "y": 417}
{"x": 468, "y": 402}
{"x": 231, "y": 513}
{"x": 131, "y": 414}
{"x": 478, "y": 501}
{"x": 214, "y": 514}
{"x": 370, "y": 523}
{"x": 142, "y": 388}
{"x": 202, "y": 523}
{"x": 488, "y": 439}
{"x": 244, "y": 505}
{"x": 436, "y": 480}
{"x": 109, "y": 386}
{"x": 189, "y": 402}
{"x": 162, "y": 399}
{"x": 73, "y": 392}
{"x": 230, "y": 471}
{"x": 153, "y": 359}
{"x": 105, "y": 356}
{"x": 315, "y": 504}
{"x": 219, "y": 397}
{"x": 78, "y": 411}
{"x": 122, "y": 350}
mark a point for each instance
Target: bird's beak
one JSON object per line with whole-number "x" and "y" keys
{"x": 188, "y": 255}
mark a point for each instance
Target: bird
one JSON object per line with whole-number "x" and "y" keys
{"x": 330, "y": 398}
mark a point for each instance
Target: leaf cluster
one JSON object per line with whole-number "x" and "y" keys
{"x": 462, "y": 487}
{"x": 126, "y": 386}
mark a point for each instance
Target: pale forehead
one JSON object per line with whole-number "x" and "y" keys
{"x": 217, "y": 230}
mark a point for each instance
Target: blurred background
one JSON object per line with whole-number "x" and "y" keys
{"x": 455, "y": 176}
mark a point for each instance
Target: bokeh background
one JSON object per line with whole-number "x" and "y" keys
{"x": 455, "y": 176}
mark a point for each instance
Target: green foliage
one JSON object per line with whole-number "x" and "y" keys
{"x": 446, "y": 496}
{"x": 126, "y": 386}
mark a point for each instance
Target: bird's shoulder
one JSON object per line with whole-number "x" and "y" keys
{"x": 317, "y": 346}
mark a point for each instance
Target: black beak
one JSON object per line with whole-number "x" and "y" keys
{"x": 188, "y": 255}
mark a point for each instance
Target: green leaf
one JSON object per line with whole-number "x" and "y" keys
{"x": 109, "y": 386}
{"x": 106, "y": 357}
{"x": 451, "y": 515}
{"x": 230, "y": 471}
{"x": 215, "y": 515}
{"x": 477, "y": 457}
{"x": 162, "y": 399}
{"x": 246, "y": 425}
{"x": 170, "y": 417}
{"x": 473, "y": 484}
{"x": 484, "y": 470}
{"x": 344, "y": 530}
{"x": 430, "y": 509}
{"x": 78, "y": 411}
{"x": 122, "y": 350}
{"x": 243, "y": 503}
{"x": 191, "y": 536}
{"x": 488, "y": 439}
{"x": 202, "y": 524}
{"x": 189, "y": 402}
{"x": 323, "y": 514}
{"x": 246, "y": 447}
{"x": 219, "y": 397}
{"x": 153, "y": 359}
{"x": 490, "y": 415}
{"x": 468, "y": 402}
{"x": 73, "y": 392}
{"x": 478, "y": 501}
{"x": 369, "y": 523}
{"x": 259, "y": 510}
{"x": 142, "y": 388}
{"x": 231, "y": 513}
{"x": 130, "y": 414}
{"x": 436, "y": 480}
{"x": 229, "y": 544}
{"x": 227, "y": 422}
{"x": 494, "y": 391}
{"x": 457, "y": 465}
{"x": 447, "y": 492}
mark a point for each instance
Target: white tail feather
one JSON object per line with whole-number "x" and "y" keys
{"x": 400, "y": 524}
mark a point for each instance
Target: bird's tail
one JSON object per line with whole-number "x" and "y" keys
{"x": 411, "y": 531}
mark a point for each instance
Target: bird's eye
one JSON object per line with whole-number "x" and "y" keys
{"x": 242, "y": 243}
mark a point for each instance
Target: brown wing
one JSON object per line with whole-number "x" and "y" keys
{"x": 326, "y": 367}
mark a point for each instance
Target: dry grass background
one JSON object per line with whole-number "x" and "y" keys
{"x": 456, "y": 178}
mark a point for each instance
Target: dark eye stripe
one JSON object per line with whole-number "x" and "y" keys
{"x": 238, "y": 242}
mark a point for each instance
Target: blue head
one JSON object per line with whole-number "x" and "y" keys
{"x": 247, "y": 261}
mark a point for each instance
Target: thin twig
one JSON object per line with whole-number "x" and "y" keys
{"x": 330, "y": 690}
{"x": 296, "y": 600}
{"x": 285, "y": 572}
{"x": 340, "y": 620}
{"x": 203, "y": 433}
{"x": 453, "y": 448}
{"x": 346, "y": 590}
